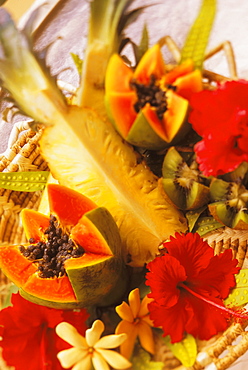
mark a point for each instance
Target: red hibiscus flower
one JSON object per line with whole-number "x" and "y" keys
{"x": 188, "y": 286}
{"x": 221, "y": 118}
{"x": 28, "y": 331}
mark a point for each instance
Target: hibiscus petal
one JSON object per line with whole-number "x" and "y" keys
{"x": 67, "y": 332}
{"x": 71, "y": 356}
{"x": 146, "y": 337}
{"x": 218, "y": 277}
{"x": 207, "y": 320}
{"x": 93, "y": 335}
{"x": 114, "y": 359}
{"x": 163, "y": 278}
{"x": 131, "y": 330}
{"x": 125, "y": 312}
{"x": 192, "y": 252}
{"x": 172, "y": 320}
{"x": 111, "y": 341}
{"x": 220, "y": 151}
{"x": 134, "y": 301}
{"x": 99, "y": 362}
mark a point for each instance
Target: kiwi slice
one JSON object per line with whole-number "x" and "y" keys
{"x": 229, "y": 204}
{"x": 182, "y": 182}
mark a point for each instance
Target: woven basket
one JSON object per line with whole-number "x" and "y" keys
{"x": 24, "y": 155}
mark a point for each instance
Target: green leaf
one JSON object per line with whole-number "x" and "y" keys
{"x": 24, "y": 181}
{"x": 193, "y": 216}
{"x": 141, "y": 360}
{"x": 7, "y": 301}
{"x": 198, "y": 36}
{"x": 78, "y": 62}
{"x": 206, "y": 224}
{"x": 143, "y": 46}
{"x": 185, "y": 351}
{"x": 239, "y": 295}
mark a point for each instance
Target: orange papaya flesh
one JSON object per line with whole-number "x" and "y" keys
{"x": 151, "y": 63}
{"x": 189, "y": 84}
{"x": 179, "y": 71}
{"x": 14, "y": 265}
{"x": 51, "y": 289}
{"x": 34, "y": 224}
{"x": 88, "y": 236}
{"x": 118, "y": 76}
{"x": 122, "y": 110}
{"x": 68, "y": 204}
{"x": 173, "y": 119}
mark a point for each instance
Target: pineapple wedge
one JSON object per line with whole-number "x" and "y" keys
{"x": 85, "y": 152}
{"x": 89, "y": 156}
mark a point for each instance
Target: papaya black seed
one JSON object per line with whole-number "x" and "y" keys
{"x": 152, "y": 94}
{"x": 50, "y": 255}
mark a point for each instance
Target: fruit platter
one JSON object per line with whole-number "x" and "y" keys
{"x": 124, "y": 194}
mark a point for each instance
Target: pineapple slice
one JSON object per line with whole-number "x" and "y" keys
{"x": 83, "y": 150}
{"x": 89, "y": 156}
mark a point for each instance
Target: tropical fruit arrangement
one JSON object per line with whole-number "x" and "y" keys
{"x": 135, "y": 255}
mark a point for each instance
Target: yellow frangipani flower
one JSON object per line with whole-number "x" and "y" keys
{"x": 135, "y": 323}
{"x": 91, "y": 349}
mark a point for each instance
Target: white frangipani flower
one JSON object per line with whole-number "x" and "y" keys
{"x": 91, "y": 349}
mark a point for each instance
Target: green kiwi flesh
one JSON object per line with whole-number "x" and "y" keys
{"x": 181, "y": 182}
{"x": 229, "y": 203}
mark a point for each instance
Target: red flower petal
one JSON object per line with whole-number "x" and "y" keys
{"x": 207, "y": 320}
{"x": 192, "y": 252}
{"x": 183, "y": 280}
{"x": 173, "y": 320}
{"x": 224, "y": 127}
{"x": 28, "y": 332}
{"x": 165, "y": 273}
{"x": 218, "y": 277}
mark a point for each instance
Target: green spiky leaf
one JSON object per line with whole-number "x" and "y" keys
{"x": 185, "y": 351}
{"x": 24, "y": 181}
{"x": 143, "y": 45}
{"x": 198, "y": 36}
{"x": 239, "y": 295}
{"x": 78, "y": 63}
{"x": 141, "y": 360}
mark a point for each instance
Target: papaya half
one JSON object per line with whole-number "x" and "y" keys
{"x": 149, "y": 106}
{"x": 72, "y": 258}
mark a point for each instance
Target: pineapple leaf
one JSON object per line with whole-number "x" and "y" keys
{"x": 24, "y": 181}
{"x": 78, "y": 62}
{"x": 25, "y": 76}
{"x": 108, "y": 20}
{"x": 198, "y": 36}
{"x": 140, "y": 50}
